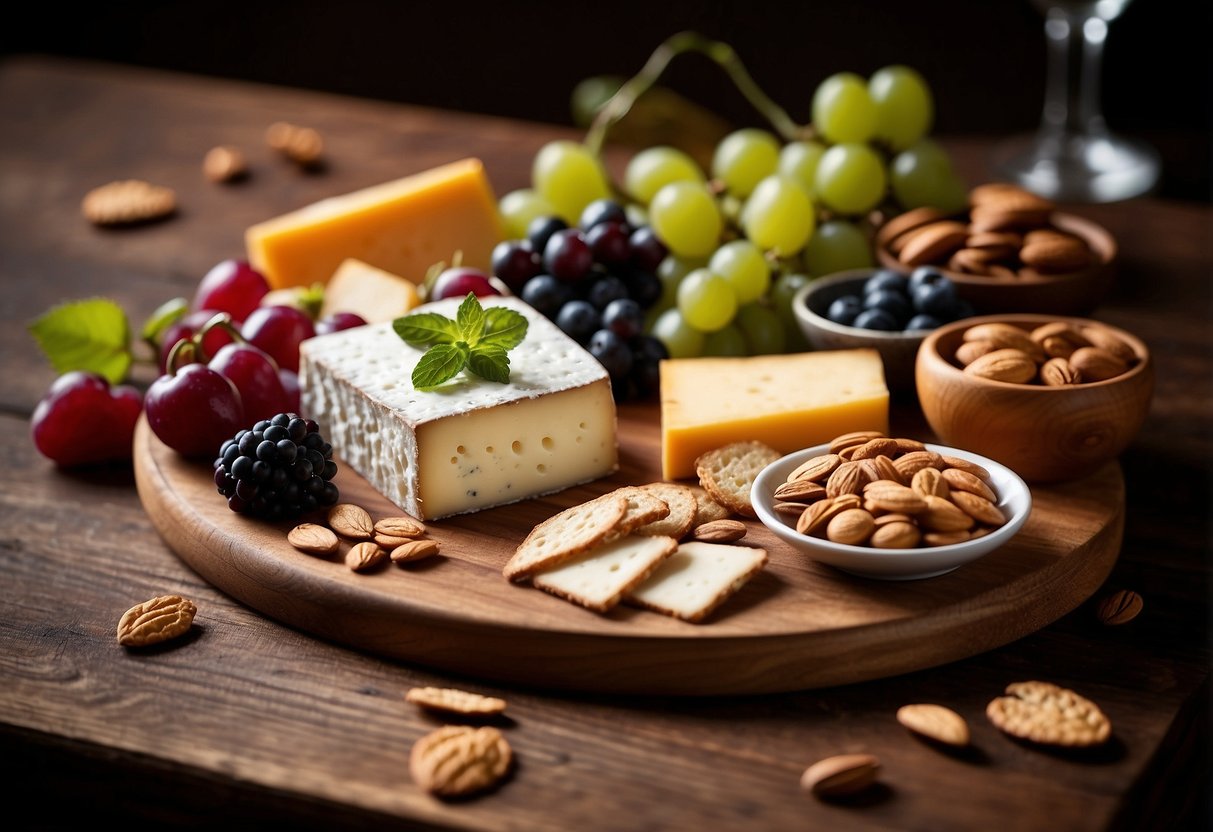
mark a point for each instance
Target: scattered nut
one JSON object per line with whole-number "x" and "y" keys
{"x": 721, "y": 531}
{"x": 363, "y": 556}
{"x": 459, "y": 760}
{"x": 935, "y": 722}
{"x": 412, "y": 550}
{"x": 160, "y": 619}
{"x": 351, "y": 521}
{"x": 1119, "y": 607}
{"x": 302, "y": 145}
{"x": 453, "y": 700}
{"x": 1050, "y": 715}
{"x": 400, "y": 526}
{"x": 224, "y": 164}
{"x": 127, "y": 202}
{"x": 840, "y": 776}
{"x": 313, "y": 539}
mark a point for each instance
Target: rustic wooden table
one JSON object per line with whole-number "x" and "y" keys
{"x": 256, "y": 724}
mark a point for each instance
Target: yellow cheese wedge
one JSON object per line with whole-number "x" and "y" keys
{"x": 404, "y": 227}
{"x": 787, "y": 401}
{"x": 372, "y": 293}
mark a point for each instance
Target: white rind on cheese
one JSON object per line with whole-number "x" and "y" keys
{"x": 472, "y": 443}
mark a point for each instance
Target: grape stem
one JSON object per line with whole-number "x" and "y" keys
{"x": 723, "y": 55}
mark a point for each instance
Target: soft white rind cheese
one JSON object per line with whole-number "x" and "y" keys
{"x": 471, "y": 444}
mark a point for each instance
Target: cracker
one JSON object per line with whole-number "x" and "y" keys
{"x": 566, "y": 534}
{"x": 128, "y": 201}
{"x": 683, "y": 507}
{"x": 728, "y": 473}
{"x": 598, "y": 579}
{"x": 644, "y": 507}
{"x": 458, "y": 760}
{"x": 691, "y": 583}
{"x": 707, "y": 509}
{"x": 455, "y": 701}
{"x": 1045, "y": 713}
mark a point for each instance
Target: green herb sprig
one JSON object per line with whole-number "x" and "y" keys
{"x": 478, "y": 340}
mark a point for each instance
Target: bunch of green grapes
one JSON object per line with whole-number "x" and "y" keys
{"x": 770, "y": 214}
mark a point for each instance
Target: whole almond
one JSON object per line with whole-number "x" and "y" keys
{"x": 930, "y": 481}
{"x": 935, "y": 722}
{"x": 946, "y": 538}
{"x": 1005, "y": 336}
{"x": 892, "y": 517}
{"x": 886, "y": 470}
{"x": 958, "y": 478}
{"x": 933, "y": 242}
{"x": 814, "y": 519}
{"x": 891, "y": 496}
{"x": 970, "y": 351}
{"x": 224, "y": 164}
{"x": 1011, "y": 366}
{"x": 1008, "y": 197}
{"x": 848, "y": 478}
{"x": 400, "y": 526}
{"x": 1062, "y": 335}
{"x": 786, "y": 509}
{"x": 1056, "y": 256}
{"x": 817, "y": 469}
{"x": 896, "y": 535}
{"x": 840, "y": 776}
{"x": 995, "y": 239}
{"x": 414, "y": 550}
{"x": 719, "y": 531}
{"x": 1000, "y": 218}
{"x": 979, "y": 508}
{"x": 910, "y": 464}
{"x": 881, "y": 446}
{"x": 853, "y": 439}
{"x": 1058, "y": 372}
{"x": 894, "y": 231}
{"x": 1102, "y": 337}
{"x": 853, "y": 526}
{"x": 1096, "y": 364}
{"x": 365, "y": 555}
{"x": 940, "y": 515}
{"x": 973, "y": 468}
{"x": 159, "y": 619}
{"x": 800, "y": 491}
{"x": 313, "y": 539}
{"x": 1119, "y": 607}
{"x": 352, "y": 521}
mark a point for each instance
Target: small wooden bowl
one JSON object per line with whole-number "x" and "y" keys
{"x": 1076, "y": 293}
{"x": 1044, "y": 434}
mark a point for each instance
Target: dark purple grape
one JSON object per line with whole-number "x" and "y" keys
{"x": 877, "y": 319}
{"x": 844, "y": 309}
{"x": 887, "y": 279}
{"x": 612, "y": 353}
{"x": 541, "y": 230}
{"x": 647, "y": 249}
{"x": 515, "y": 262}
{"x": 647, "y": 355}
{"x": 891, "y": 301}
{"x": 606, "y": 289}
{"x": 579, "y": 320}
{"x": 546, "y": 294}
{"x": 644, "y": 287}
{"x": 608, "y": 242}
{"x": 624, "y": 317}
{"x": 567, "y": 255}
{"x": 600, "y": 211}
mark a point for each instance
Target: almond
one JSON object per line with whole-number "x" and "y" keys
{"x": 1119, "y": 607}
{"x": 1105, "y": 339}
{"x": 894, "y": 231}
{"x": 896, "y": 535}
{"x": 959, "y": 479}
{"x": 845, "y": 774}
{"x": 719, "y": 531}
{"x": 1000, "y": 218}
{"x": 1056, "y": 255}
{"x": 853, "y": 526}
{"x": 1096, "y": 364}
{"x": 159, "y": 619}
{"x": 970, "y": 351}
{"x": 930, "y": 481}
{"x": 224, "y": 164}
{"x": 313, "y": 539}
{"x": 874, "y": 448}
{"x": 935, "y": 722}
{"x": 910, "y": 464}
{"x": 894, "y": 497}
{"x": 460, "y": 759}
{"x": 800, "y": 491}
{"x": 1058, "y": 372}
{"x": 365, "y": 555}
{"x": 1059, "y": 339}
{"x": 1010, "y": 366}
{"x": 964, "y": 465}
{"x": 817, "y": 469}
{"x": 946, "y": 538}
{"x": 414, "y": 550}
{"x": 814, "y": 519}
{"x": 979, "y": 508}
{"x": 995, "y": 239}
{"x": 848, "y": 478}
{"x": 400, "y": 526}
{"x": 1006, "y": 336}
{"x": 885, "y": 469}
{"x": 932, "y": 243}
{"x": 352, "y": 521}
{"x": 853, "y": 439}
{"x": 941, "y": 515}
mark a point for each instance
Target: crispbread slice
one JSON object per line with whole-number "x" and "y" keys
{"x": 707, "y": 509}
{"x": 682, "y": 505}
{"x": 566, "y": 534}
{"x": 644, "y": 507}
{"x": 599, "y": 578}
{"x": 697, "y": 579}
{"x": 728, "y": 473}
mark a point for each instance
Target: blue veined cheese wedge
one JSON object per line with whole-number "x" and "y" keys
{"x": 471, "y": 444}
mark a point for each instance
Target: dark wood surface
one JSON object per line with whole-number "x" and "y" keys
{"x": 252, "y": 723}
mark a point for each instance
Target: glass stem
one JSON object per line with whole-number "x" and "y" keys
{"x": 1075, "y": 52}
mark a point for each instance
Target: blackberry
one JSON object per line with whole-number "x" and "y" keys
{"x": 279, "y": 469}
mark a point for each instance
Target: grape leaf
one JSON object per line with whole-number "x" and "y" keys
{"x": 91, "y": 335}
{"x": 424, "y": 328}
{"x": 503, "y": 327}
{"x": 441, "y": 363}
{"x": 490, "y": 362}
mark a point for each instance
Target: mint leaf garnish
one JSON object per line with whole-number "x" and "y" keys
{"x": 91, "y": 335}
{"x": 478, "y": 340}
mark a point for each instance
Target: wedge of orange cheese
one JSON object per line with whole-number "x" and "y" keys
{"x": 788, "y": 401}
{"x": 404, "y": 227}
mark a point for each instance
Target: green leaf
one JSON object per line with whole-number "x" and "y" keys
{"x": 490, "y": 362}
{"x": 167, "y": 314}
{"x": 503, "y": 327}
{"x": 441, "y": 363}
{"x": 470, "y": 318}
{"x": 424, "y": 328}
{"x": 311, "y": 299}
{"x": 91, "y": 335}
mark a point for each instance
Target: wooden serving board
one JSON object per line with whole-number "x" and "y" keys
{"x": 796, "y": 625}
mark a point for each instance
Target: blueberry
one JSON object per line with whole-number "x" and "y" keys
{"x": 922, "y": 322}
{"x": 891, "y": 301}
{"x": 579, "y": 320}
{"x": 647, "y": 355}
{"x": 925, "y": 275}
{"x": 546, "y": 294}
{"x": 600, "y": 211}
{"x": 644, "y": 287}
{"x": 936, "y": 299}
{"x": 887, "y": 279}
{"x": 877, "y": 319}
{"x": 844, "y": 309}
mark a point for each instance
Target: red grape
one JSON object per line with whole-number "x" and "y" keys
{"x": 231, "y": 286}
{"x": 338, "y": 321}
{"x": 187, "y": 327}
{"x": 82, "y": 420}
{"x": 456, "y": 282}
{"x": 515, "y": 262}
{"x": 567, "y": 256}
{"x": 256, "y": 378}
{"x": 194, "y": 410}
{"x": 279, "y": 330}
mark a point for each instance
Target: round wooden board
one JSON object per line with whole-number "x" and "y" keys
{"x": 796, "y": 625}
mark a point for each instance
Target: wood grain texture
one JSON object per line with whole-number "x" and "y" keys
{"x": 795, "y": 625}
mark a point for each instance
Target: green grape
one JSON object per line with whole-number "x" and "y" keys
{"x": 922, "y": 174}
{"x": 569, "y": 177}
{"x": 779, "y": 216}
{"x": 744, "y": 158}
{"x": 671, "y": 271}
{"x": 904, "y": 107}
{"x": 680, "y": 338}
{"x": 519, "y": 207}
{"x": 654, "y": 167}
{"x": 741, "y": 263}
{"x": 799, "y": 161}
{"x": 762, "y": 328}
{"x": 851, "y": 179}
{"x": 706, "y": 300}
{"x": 686, "y": 218}
{"x": 783, "y": 290}
{"x": 836, "y": 246}
{"x": 843, "y": 111}
{"x": 636, "y": 214}
{"x": 727, "y": 341}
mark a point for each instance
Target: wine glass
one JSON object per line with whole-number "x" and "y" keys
{"x": 1073, "y": 156}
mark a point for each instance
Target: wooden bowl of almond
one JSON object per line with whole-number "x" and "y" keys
{"x": 1052, "y": 398}
{"x": 1011, "y": 251}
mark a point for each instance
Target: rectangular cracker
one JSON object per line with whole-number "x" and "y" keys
{"x": 599, "y": 578}
{"x": 697, "y": 579}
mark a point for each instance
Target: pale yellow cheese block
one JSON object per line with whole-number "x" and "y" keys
{"x": 371, "y": 293}
{"x": 786, "y": 401}
{"x": 403, "y": 227}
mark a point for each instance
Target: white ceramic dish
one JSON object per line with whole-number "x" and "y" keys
{"x": 1014, "y": 498}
